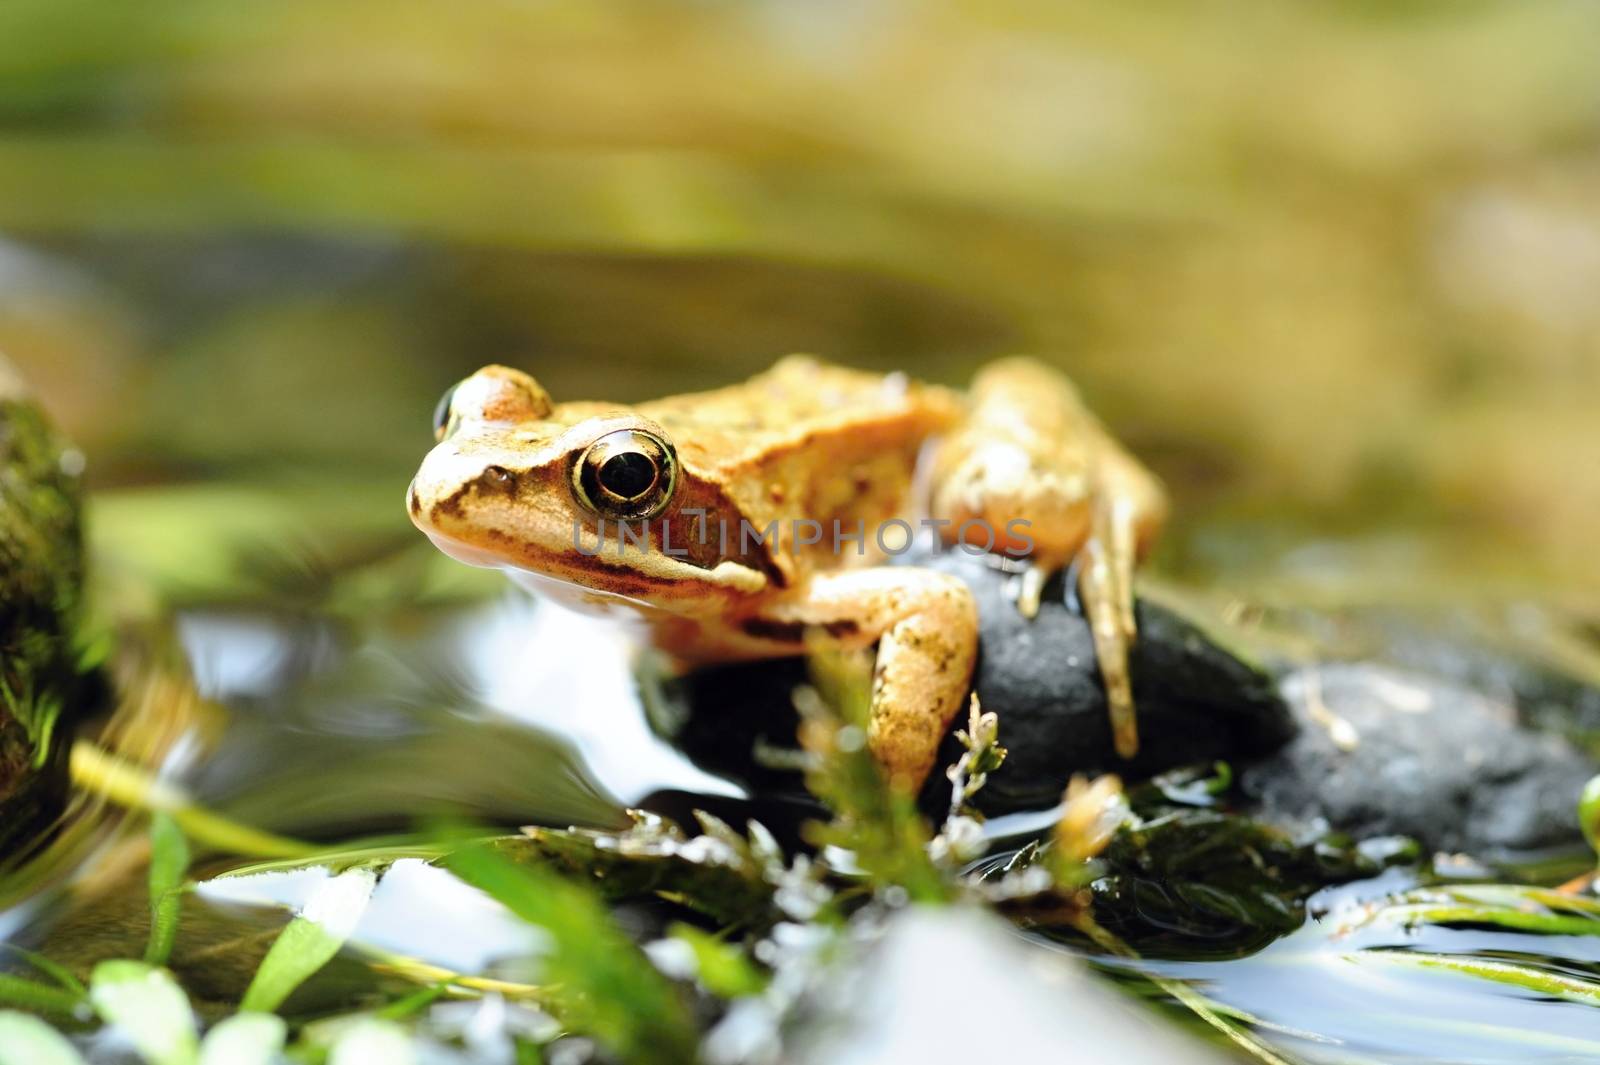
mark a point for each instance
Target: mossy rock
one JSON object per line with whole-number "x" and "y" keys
{"x": 41, "y": 587}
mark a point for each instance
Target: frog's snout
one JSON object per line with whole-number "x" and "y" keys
{"x": 464, "y": 495}
{"x": 434, "y": 499}
{"x": 433, "y": 504}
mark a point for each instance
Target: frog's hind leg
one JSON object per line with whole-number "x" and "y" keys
{"x": 1127, "y": 512}
{"x": 1031, "y": 450}
{"x": 1016, "y": 476}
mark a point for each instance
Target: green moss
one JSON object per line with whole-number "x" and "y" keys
{"x": 41, "y": 581}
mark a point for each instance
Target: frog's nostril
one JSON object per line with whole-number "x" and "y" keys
{"x": 499, "y": 478}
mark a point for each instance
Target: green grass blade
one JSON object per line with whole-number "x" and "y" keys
{"x": 26, "y": 1040}
{"x": 310, "y": 941}
{"x": 1552, "y": 924}
{"x": 1515, "y": 907}
{"x": 126, "y": 784}
{"x": 1220, "y": 1020}
{"x": 415, "y": 1002}
{"x": 169, "y": 860}
{"x": 1523, "y": 896}
{"x": 149, "y": 1006}
{"x": 41, "y": 998}
{"x": 607, "y": 988}
{"x": 244, "y": 1039}
{"x": 1539, "y": 981}
{"x": 54, "y": 970}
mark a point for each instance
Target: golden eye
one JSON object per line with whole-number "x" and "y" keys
{"x": 628, "y": 474}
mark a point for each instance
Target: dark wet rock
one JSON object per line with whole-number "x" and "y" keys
{"x": 1468, "y": 747}
{"x": 1541, "y": 660}
{"x": 1383, "y": 751}
{"x": 1198, "y": 702}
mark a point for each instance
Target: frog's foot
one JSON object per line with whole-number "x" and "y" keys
{"x": 926, "y": 627}
{"x": 1105, "y": 586}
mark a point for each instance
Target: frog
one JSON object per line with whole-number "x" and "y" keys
{"x": 752, "y": 520}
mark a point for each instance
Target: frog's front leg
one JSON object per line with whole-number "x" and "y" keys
{"x": 1030, "y": 451}
{"x": 926, "y": 627}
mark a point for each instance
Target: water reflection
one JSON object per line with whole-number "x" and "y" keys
{"x": 417, "y": 910}
{"x": 511, "y": 712}
{"x": 1335, "y": 992}
{"x": 573, "y": 674}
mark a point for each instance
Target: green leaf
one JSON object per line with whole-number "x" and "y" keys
{"x": 169, "y": 860}
{"x": 723, "y": 969}
{"x": 26, "y": 1040}
{"x": 725, "y": 882}
{"x": 149, "y": 1006}
{"x": 244, "y": 1039}
{"x": 602, "y": 984}
{"x": 310, "y": 941}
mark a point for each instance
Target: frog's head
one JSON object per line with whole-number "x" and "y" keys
{"x": 547, "y": 492}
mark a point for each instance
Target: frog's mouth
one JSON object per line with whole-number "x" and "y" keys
{"x": 577, "y": 596}
{"x": 568, "y": 592}
{"x": 652, "y": 582}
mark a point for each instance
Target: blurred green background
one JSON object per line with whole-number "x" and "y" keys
{"x": 1333, "y": 269}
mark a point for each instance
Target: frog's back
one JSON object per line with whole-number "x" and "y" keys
{"x": 801, "y": 403}
{"x": 809, "y": 440}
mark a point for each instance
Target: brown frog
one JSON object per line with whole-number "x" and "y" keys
{"x": 739, "y": 520}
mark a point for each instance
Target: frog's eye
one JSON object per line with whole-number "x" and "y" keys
{"x": 441, "y": 413}
{"x": 626, "y": 475}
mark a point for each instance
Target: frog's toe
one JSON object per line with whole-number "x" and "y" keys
{"x": 1108, "y": 606}
{"x": 1030, "y": 589}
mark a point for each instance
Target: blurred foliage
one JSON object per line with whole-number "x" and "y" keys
{"x": 47, "y": 657}
{"x": 1329, "y": 262}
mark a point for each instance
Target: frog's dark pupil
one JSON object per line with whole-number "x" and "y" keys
{"x": 628, "y": 475}
{"x": 441, "y": 413}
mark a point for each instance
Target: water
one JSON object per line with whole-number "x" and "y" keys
{"x": 1332, "y": 991}
{"x": 511, "y": 712}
